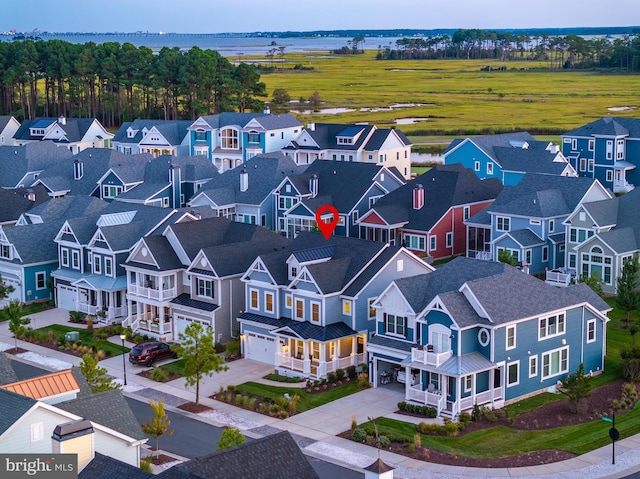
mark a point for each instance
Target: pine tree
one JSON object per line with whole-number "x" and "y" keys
{"x": 95, "y": 375}
{"x": 628, "y": 298}
{"x": 577, "y": 387}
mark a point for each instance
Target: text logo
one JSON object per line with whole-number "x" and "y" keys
{"x": 49, "y": 466}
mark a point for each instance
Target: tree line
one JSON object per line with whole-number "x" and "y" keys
{"x": 116, "y": 82}
{"x": 570, "y": 51}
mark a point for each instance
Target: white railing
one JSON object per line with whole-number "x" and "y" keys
{"x": 481, "y": 398}
{"x": 483, "y": 255}
{"x": 622, "y": 186}
{"x": 151, "y": 293}
{"x": 86, "y": 308}
{"x": 429, "y": 398}
{"x": 293, "y": 363}
{"x": 322, "y": 368}
{"x": 430, "y": 358}
{"x": 558, "y": 278}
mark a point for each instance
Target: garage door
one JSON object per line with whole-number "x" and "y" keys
{"x": 181, "y": 323}
{"x": 260, "y": 348}
{"x": 66, "y": 296}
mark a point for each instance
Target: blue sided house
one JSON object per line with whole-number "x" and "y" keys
{"x": 463, "y": 335}
{"x": 229, "y": 139}
{"x": 309, "y": 308}
{"x": 527, "y": 221}
{"x": 607, "y": 149}
{"x": 508, "y": 157}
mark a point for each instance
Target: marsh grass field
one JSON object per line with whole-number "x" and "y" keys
{"x": 456, "y": 96}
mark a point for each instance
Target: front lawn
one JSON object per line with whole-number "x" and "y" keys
{"x": 86, "y": 339}
{"x": 26, "y": 310}
{"x": 174, "y": 367}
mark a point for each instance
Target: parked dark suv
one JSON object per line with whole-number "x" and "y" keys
{"x": 149, "y": 352}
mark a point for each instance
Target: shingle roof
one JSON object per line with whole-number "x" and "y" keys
{"x": 526, "y": 238}
{"x": 268, "y": 121}
{"x": 173, "y": 131}
{"x": 162, "y": 252}
{"x": 34, "y": 243}
{"x": 529, "y": 160}
{"x": 14, "y": 202}
{"x": 74, "y": 128}
{"x": 107, "y": 467}
{"x": 17, "y": 161}
{"x": 609, "y": 127}
{"x": 107, "y": 408}
{"x": 305, "y": 329}
{"x": 12, "y": 407}
{"x": 185, "y": 300}
{"x": 7, "y": 374}
{"x": 487, "y": 142}
{"x": 270, "y": 457}
{"x": 68, "y": 207}
{"x": 390, "y": 343}
{"x": 53, "y": 384}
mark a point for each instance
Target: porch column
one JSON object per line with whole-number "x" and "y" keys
{"x": 492, "y": 374}
{"x": 130, "y": 311}
{"x": 456, "y": 407}
{"x": 322, "y": 366}
{"x": 161, "y": 320}
{"x": 305, "y": 355}
{"x": 354, "y": 351}
{"x": 473, "y": 388}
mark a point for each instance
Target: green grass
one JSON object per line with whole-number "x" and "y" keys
{"x": 501, "y": 441}
{"x": 418, "y": 170}
{"x": 307, "y": 401}
{"x": 176, "y": 367}
{"x": 86, "y": 338}
{"x": 26, "y": 310}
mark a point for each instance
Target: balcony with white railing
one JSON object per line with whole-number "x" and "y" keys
{"x": 151, "y": 292}
{"x": 317, "y": 368}
{"x": 558, "y": 277}
{"x": 426, "y": 355}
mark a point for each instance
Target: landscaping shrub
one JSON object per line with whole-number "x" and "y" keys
{"x": 359, "y": 435}
{"x": 631, "y": 362}
{"x": 285, "y": 379}
{"x": 384, "y": 441}
{"x": 363, "y": 381}
{"x": 339, "y": 374}
{"x": 351, "y": 372}
{"x": 233, "y": 348}
{"x": 331, "y": 377}
{"x": 219, "y": 348}
{"x": 426, "y": 411}
{"x": 450, "y": 427}
{"x": 159, "y": 375}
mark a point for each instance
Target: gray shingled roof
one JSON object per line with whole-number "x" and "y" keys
{"x": 68, "y": 207}
{"x": 609, "y": 127}
{"x": 7, "y": 374}
{"x": 305, "y": 329}
{"x": 268, "y": 121}
{"x": 107, "y": 467}
{"x": 173, "y": 131}
{"x": 444, "y": 187}
{"x": 34, "y": 243}
{"x": 529, "y": 160}
{"x": 390, "y": 343}
{"x": 17, "y": 161}
{"x": 74, "y": 128}
{"x": 185, "y": 300}
{"x": 270, "y": 457}
{"x": 14, "y": 202}
{"x": 12, "y": 407}
{"x": 487, "y": 142}
{"x": 603, "y": 212}
{"x": 107, "y": 408}
{"x": 162, "y": 252}
{"x": 526, "y": 238}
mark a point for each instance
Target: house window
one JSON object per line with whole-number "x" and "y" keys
{"x": 466, "y": 212}
{"x": 609, "y": 175}
{"x": 253, "y": 137}
{"x": 346, "y": 307}
{"x": 545, "y": 253}
{"x": 111, "y": 191}
{"x": 502, "y": 223}
{"x": 372, "y": 200}
{"x": 513, "y": 376}
{"x": 432, "y": 243}
{"x": 414, "y": 242}
{"x": 572, "y": 260}
{"x": 75, "y": 259}
{"x": 527, "y": 256}
{"x": 64, "y": 257}
{"x": 315, "y": 312}
{"x": 97, "y": 264}
{"x": 41, "y": 281}
{"x": 299, "y": 309}
{"x": 620, "y": 150}
{"x": 268, "y": 302}
{"x": 372, "y": 310}
{"x": 592, "y": 144}
{"x": 555, "y": 363}
{"x": 551, "y": 326}
{"x": 449, "y": 239}
{"x": 583, "y": 164}
{"x": 108, "y": 266}
{"x": 253, "y": 299}
{"x": 5, "y": 251}
{"x": 574, "y": 144}
{"x": 37, "y": 432}
{"x": 476, "y": 165}
{"x": 533, "y": 366}
{"x": 394, "y": 324}
{"x": 591, "y": 331}
{"x": 489, "y": 168}
{"x": 609, "y": 150}
{"x": 552, "y": 226}
{"x": 483, "y": 337}
{"x": 286, "y": 202}
{"x": 590, "y": 167}
{"x": 468, "y": 382}
{"x": 400, "y": 265}
{"x": 229, "y": 139}
{"x": 597, "y": 264}
{"x": 511, "y": 337}
{"x": 201, "y": 135}
{"x": 288, "y": 300}
{"x": 205, "y": 288}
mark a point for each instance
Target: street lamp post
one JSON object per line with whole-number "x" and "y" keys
{"x": 124, "y": 363}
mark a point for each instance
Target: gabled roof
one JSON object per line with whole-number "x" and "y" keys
{"x": 7, "y": 374}
{"x": 12, "y": 407}
{"x": 17, "y": 161}
{"x": 269, "y": 457}
{"x": 268, "y": 121}
{"x": 67, "y": 207}
{"x": 34, "y": 243}
{"x": 603, "y": 212}
{"x": 185, "y": 299}
{"x": 326, "y": 135}
{"x": 4, "y": 121}
{"x": 162, "y": 252}
{"x": 45, "y": 386}
{"x": 609, "y": 126}
{"x": 14, "y": 202}
{"x": 444, "y": 187}
{"x": 75, "y": 128}
{"x": 487, "y": 143}
{"x": 542, "y": 196}
{"x": 526, "y": 238}
{"x": 107, "y": 467}
{"x": 529, "y": 160}
{"x": 109, "y": 409}
{"x": 173, "y": 131}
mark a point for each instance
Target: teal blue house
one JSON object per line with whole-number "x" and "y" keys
{"x": 465, "y": 335}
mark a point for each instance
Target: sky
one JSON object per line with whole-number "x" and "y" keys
{"x": 219, "y": 16}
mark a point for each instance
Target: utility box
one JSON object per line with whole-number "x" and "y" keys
{"x": 72, "y": 336}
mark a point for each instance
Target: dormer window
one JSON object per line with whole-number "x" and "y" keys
{"x": 200, "y": 135}
{"x": 253, "y": 137}
{"x": 145, "y": 130}
{"x": 5, "y": 251}
{"x": 131, "y": 132}
{"x": 37, "y": 131}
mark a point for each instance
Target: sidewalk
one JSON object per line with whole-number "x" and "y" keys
{"x": 317, "y": 428}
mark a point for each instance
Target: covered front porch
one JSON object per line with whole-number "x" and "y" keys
{"x": 456, "y": 385}
{"x": 102, "y": 297}
{"x": 151, "y": 320}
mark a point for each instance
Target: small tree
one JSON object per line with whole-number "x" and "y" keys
{"x": 314, "y": 100}
{"x": 159, "y": 424}
{"x": 231, "y": 437}
{"x": 17, "y": 324}
{"x": 5, "y": 290}
{"x": 200, "y": 357}
{"x": 593, "y": 282}
{"x": 95, "y": 375}
{"x": 628, "y": 298}
{"x": 577, "y": 387}
{"x": 505, "y": 256}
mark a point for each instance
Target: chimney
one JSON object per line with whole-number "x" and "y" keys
{"x": 378, "y": 470}
{"x": 74, "y": 437}
{"x": 244, "y": 180}
{"x": 418, "y": 197}
{"x": 30, "y": 194}
{"x": 62, "y": 120}
{"x": 175, "y": 180}
{"x": 313, "y": 185}
{"x": 267, "y": 110}
{"x": 554, "y": 148}
{"x": 311, "y": 127}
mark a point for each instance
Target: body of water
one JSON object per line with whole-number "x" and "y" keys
{"x": 228, "y": 46}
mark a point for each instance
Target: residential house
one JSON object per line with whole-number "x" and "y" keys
{"x": 74, "y": 134}
{"x": 191, "y": 273}
{"x": 21, "y": 165}
{"x": 90, "y": 277}
{"x": 601, "y": 236}
{"x": 229, "y": 139}
{"x": 527, "y": 221}
{"x": 14, "y": 202}
{"x": 50, "y": 388}
{"x": 60, "y": 209}
{"x": 427, "y": 214}
{"x": 156, "y": 137}
{"x": 351, "y": 188}
{"x": 309, "y": 307}
{"x": 463, "y": 335}
{"x": 508, "y": 157}
{"x": 29, "y": 426}
{"x": 8, "y": 128}
{"x": 360, "y": 143}
{"x": 245, "y": 194}
{"x": 606, "y": 149}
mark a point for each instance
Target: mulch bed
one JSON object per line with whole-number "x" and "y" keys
{"x": 194, "y": 408}
{"x": 161, "y": 459}
{"x": 16, "y": 351}
{"x": 551, "y": 415}
{"x": 147, "y": 374}
{"x": 327, "y": 386}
